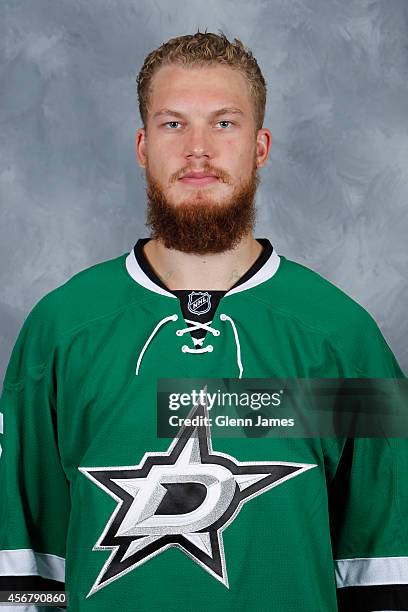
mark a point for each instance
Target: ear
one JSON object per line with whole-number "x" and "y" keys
{"x": 263, "y": 145}
{"x": 140, "y": 143}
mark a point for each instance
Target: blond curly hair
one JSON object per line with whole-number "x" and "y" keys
{"x": 202, "y": 49}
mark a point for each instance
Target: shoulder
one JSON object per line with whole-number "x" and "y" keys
{"x": 304, "y": 299}
{"x": 94, "y": 293}
{"x": 90, "y": 293}
{"x": 302, "y": 293}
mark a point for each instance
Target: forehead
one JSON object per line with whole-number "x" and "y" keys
{"x": 207, "y": 88}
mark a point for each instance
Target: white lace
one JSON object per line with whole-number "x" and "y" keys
{"x": 173, "y": 317}
{"x": 193, "y": 325}
{"x": 225, "y": 317}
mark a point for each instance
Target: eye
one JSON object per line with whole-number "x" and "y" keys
{"x": 171, "y": 124}
{"x": 225, "y": 121}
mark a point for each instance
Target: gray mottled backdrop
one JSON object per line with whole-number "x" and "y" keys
{"x": 334, "y": 194}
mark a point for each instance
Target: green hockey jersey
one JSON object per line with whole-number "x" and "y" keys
{"x": 93, "y": 500}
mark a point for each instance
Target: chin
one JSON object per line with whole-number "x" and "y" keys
{"x": 203, "y": 195}
{"x": 208, "y": 202}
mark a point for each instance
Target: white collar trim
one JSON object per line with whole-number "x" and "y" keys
{"x": 268, "y": 270}
{"x": 140, "y": 277}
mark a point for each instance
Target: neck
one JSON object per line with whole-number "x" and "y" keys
{"x": 215, "y": 271}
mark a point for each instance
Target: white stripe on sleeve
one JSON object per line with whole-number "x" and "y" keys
{"x": 371, "y": 571}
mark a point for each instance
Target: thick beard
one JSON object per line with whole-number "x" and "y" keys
{"x": 202, "y": 224}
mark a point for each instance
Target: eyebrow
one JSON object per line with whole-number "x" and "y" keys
{"x": 228, "y": 110}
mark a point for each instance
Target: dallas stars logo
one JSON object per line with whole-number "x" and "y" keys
{"x": 183, "y": 497}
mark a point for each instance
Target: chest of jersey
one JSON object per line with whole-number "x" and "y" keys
{"x": 150, "y": 504}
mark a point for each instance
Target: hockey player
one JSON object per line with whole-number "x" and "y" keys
{"x": 91, "y": 498}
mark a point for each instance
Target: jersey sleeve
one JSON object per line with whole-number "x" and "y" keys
{"x": 35, "y": 497}
{"x": 368, "y": 502}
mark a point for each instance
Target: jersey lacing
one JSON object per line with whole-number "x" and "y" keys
{"x": 193, "y": 325}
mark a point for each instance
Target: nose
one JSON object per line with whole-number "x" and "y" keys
{"x": 198, "y": 143}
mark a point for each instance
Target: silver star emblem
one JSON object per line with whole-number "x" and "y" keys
{"x": 184, "y": 497}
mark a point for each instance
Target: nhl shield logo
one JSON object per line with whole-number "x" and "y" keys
{"x": 199, "y": 302}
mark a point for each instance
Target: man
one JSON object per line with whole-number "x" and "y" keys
{"x": 92, "y": 497}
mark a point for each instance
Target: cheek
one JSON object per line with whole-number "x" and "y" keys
{"x": 238, "y": 148}
{"x": 161, "y": 154}
{"x": 161, "y": 167}
{"x": 155, "y": 157}
{"x": 242, "y": 161}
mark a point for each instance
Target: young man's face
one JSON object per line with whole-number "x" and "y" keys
{"x": 201, "y": 123}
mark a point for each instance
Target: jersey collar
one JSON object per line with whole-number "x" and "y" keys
{"x": 140, "y": 272}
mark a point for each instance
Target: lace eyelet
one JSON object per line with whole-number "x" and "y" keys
{"x": 223, "y": 317}
{"x": 184, "y": 348}
{"x": 179, "y": 332}
{"x": 217, "y": 332}
{"x": 210, "y": 348}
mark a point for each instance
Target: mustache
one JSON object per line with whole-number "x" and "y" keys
{"x": 222, "y": 175}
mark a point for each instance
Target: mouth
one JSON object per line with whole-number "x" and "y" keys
{"x": 198, "y": 179}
